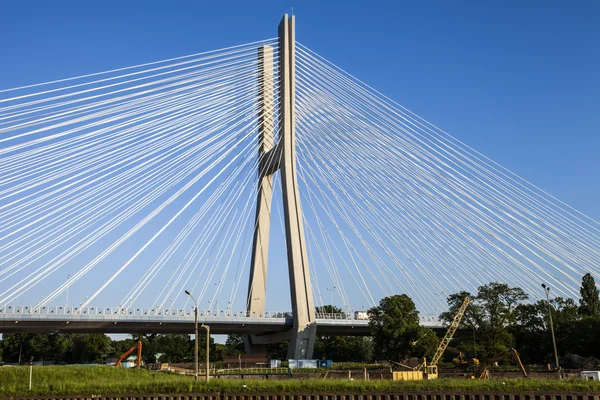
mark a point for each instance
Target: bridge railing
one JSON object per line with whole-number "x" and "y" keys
{"x": 168, "y": 313}
{"x": 156, "y": 311}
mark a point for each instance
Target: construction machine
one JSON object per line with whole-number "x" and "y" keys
{"x": 461, "y": 359}
{"x": 483, "y": 372}
{"x": 430, "y": 371}
{"x": 123, "y": 356}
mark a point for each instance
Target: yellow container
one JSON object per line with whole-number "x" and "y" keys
{"x": 407, "y": 375}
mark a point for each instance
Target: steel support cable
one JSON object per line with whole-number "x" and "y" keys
{"x": 171, "y": 110}
{"x": 132, "y": 159}
{"x": 109, "y": 200}
{"x": 197, "y": 103}
{"x": 312, "y": 174}
{"x": 100, "y": 233}
{"x": 475, "y": 170}
{"x": 211, "y": 272}
{"x": 254, "y": 195}
{"x": 324, "y": 167}
{"x": 328, "y": 257}
{"x": 260, "y": 42}
{"x": 117, "y": 117}
{"x": 134, "y": 292}
{"x": 155, "y": 88}
{"x": 261, "y": 172}
{"x": 190, "y": 226}
{"x": 239, "y": 56}
{"x": 73, "y": 279}
{"x": 360, "y": 283}
{"x": 328, "y": 261}
{"x": 91, "y": 156}
{"x": 212, "y": 247}
{"x": 171, "y": 116}
{"x": 165, "y": 226}
{"x": 473, "y": 154}
{"x": 345, "y": 240}
{"x": 365, "y": 223}
{"x": 182, "y": 92}
{"x": 370, "y": 251}
{"x": 362, "y": 190}
{"x": 230, "y": 200}
{"x": 344, "y": 153}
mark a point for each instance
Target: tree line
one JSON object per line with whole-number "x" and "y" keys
{"x": 499, "y": 317}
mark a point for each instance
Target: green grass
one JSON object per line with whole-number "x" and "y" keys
{"x": 109, "y": 380}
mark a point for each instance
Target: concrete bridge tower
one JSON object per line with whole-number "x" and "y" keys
{"x": 280, "y": 158}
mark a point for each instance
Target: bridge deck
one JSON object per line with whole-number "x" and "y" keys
{"x": 15, "y": 319}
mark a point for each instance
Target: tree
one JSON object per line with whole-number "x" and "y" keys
{"x": 491, "y": 314}
{"x": 342, "y": 348}
{"x": 589, "y": 304}
{"x": 234, "y": 345}
{"x": 88, "y": 348}
{"x": 395, "y": 327}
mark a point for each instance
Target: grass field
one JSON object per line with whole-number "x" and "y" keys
{"x": 110, "y": 380}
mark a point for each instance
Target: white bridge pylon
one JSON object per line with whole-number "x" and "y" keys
{"x": 280, "y": 157}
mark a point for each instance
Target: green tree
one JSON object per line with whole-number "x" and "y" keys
{"x": 342, "y": 348}
{"x": 395, "y": 327}
{"x": 234, "y": 345}
{"x": 278, "y": 351}
{"x": 15, "y": 347}
{"x": 491, "y": 314}
{"x": 589, "y": 304}
{"x": 88, "y": 348}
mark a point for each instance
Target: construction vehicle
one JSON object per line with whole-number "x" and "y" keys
{"x": 430, "y": 371}
{"x": 483, "y": 372}
{"x": 123, "y": 356}
{"x": 461, "y": 359}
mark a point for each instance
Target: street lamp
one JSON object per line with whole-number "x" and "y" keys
{"x": 331, "y": 291}
{"x": 547, "y": 291}
{"x": 196, "y": 347}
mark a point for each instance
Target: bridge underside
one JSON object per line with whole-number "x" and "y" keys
{"x": 333, "y": 328}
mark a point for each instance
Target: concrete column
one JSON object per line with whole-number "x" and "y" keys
{"x": 257, "y": 287}
{"x": 282, "y": 157}
{"x": 303, "y": 333}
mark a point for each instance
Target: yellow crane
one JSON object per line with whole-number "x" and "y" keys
{"x": 430, "y": 371}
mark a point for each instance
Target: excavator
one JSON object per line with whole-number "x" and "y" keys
{"x": 483, "y": 372}
{"x": 430, "y": 371}
{"x": 123, "y": 356}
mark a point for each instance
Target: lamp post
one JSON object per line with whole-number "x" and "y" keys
{"x": 196, "y": 347}
{"x": 547, "y": 291}
{"x": 474, "y": 344}
{"x": 196, "y": 335}
{"x": 207, "y": 351}
{"x": 331, "y": 291}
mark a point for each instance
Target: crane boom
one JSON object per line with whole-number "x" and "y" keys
{"x": 137, "y": 346}
{"x": 450, "y": 333}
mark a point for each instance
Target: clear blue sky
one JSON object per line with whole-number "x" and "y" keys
{"x": 518, "y": 81}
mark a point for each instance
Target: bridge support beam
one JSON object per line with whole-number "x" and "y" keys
{"x": 302, "y": 335}
{"x": 257, "y": 286}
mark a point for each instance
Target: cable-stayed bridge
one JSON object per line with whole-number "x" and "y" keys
{"x": 129, "y": 186}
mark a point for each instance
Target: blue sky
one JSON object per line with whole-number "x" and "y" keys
{"x": 518, "y": 81}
